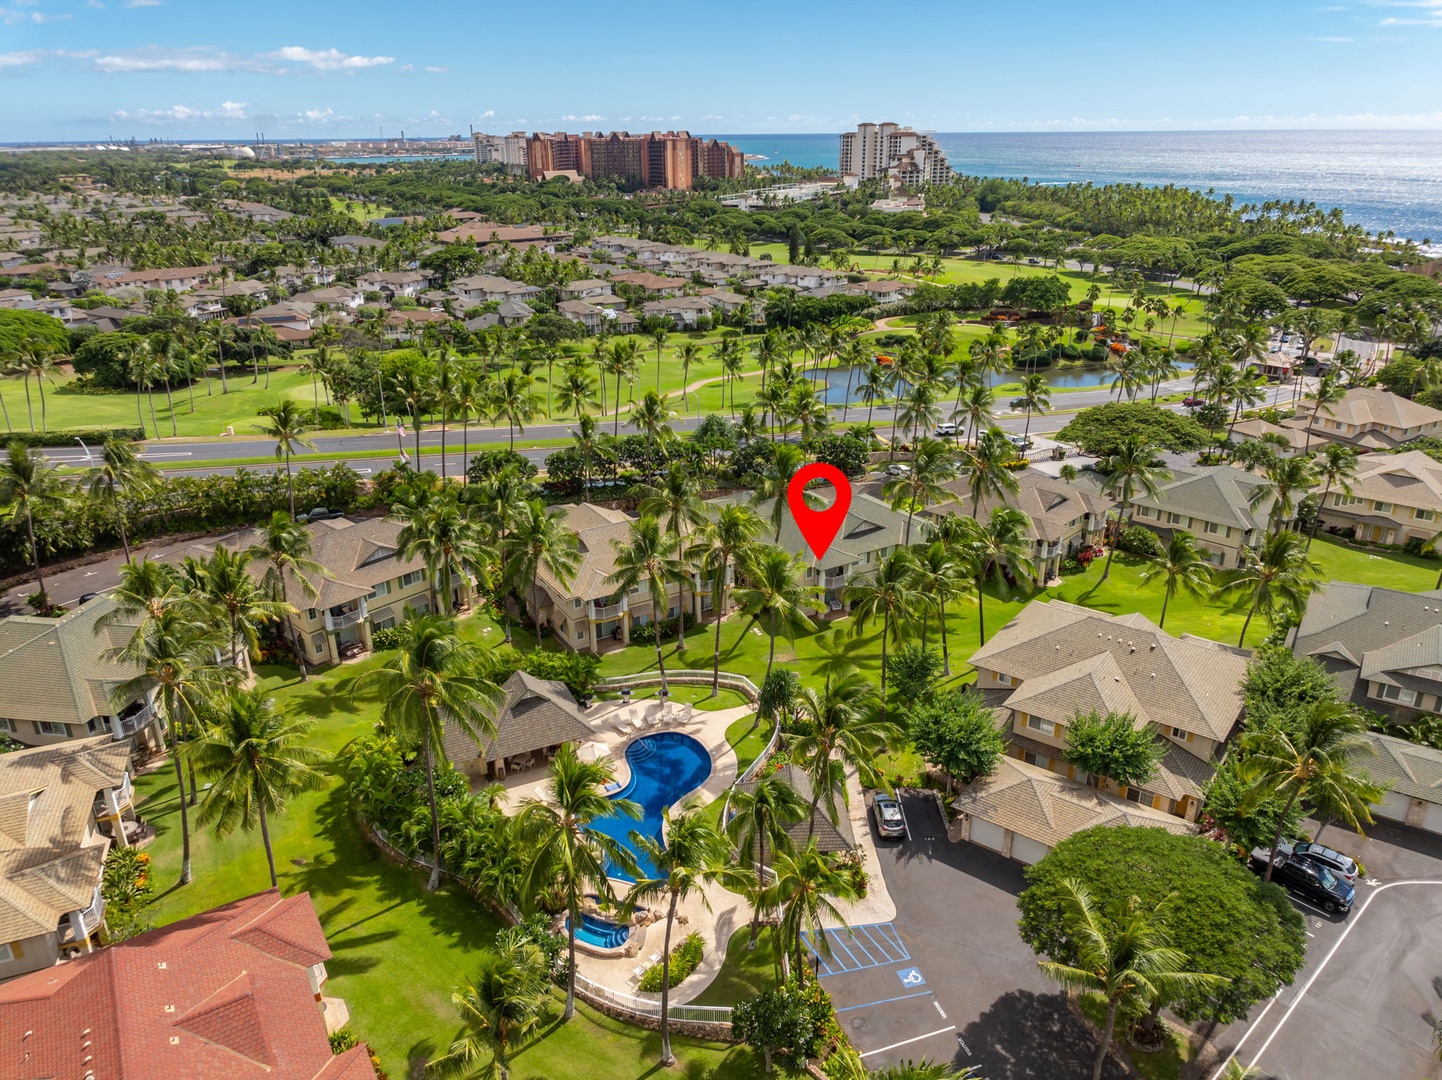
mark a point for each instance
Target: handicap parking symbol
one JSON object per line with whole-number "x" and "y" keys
{"x": 911, "y": 977}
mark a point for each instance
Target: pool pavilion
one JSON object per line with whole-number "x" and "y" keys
{"x": 538, "y": 716}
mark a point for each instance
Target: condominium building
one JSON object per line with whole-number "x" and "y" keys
{"x": 508, "y": 150}
{"x": 658, "y": 159}
{"x": 902, "y": 154}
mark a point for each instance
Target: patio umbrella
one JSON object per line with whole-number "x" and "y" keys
{"x": 593, "y": 751}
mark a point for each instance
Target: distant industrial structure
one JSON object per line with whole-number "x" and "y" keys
{"x": 902, "y": 155}
{"x": 658, "y": 159}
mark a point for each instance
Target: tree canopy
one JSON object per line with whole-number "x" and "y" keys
{"x": 1103, "y": 428}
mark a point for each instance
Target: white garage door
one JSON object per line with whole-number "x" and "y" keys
{"x": 1393, "y": 807}
{"x": 1026, "y": 850}
{"x": 987, "y": 834}
{"x": 1432, "y": 819}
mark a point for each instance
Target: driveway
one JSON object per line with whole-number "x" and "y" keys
{"x": 948, "y": 978}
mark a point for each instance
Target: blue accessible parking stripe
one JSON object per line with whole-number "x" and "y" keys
{"x": 867, "y": 946}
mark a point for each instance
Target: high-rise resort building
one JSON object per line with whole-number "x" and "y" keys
{"x": 659, "y": 159}
{"x": 897, "y": 153}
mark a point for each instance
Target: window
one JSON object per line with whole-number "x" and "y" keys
{"x": 1041, "y": 761}
{"x": 1036, "y": 723}
{"x": 576, "y": 604}
{"x": 1178, "y": 733}
{"x": 580, "y": 631}
{"x": 95, "y": 724}
{"x": 310, "y": 614}
{"x": 6, "y": 954}
{"x": 411, "y": 578}
{"x": 1139, "y": 795}
{"x": 7, "y": 725}
{"x": 1381, "y": 507}
{"x": 382, "y": 588}
{"x": 1004, "y": 680}
{"x": 317, "y": 643}
{"x": 1178, "y": 519}
{"x": 1144, "y": 511}
{"x": 1400, "y": 694}
{"x": 45, "y": 727}
{"x": 1216, "y": 558}
{"x": 1218, "y": 530}
{"x": 1346, "y": 500}
{"x": 1424, "y": 515}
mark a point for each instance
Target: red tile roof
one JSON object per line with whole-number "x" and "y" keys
{"x": 224, "y": 993}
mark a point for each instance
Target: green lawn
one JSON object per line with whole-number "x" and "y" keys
{"x": 1167, "y": 1064}
{"x": 745, "y": 972}
{"x": 699, "y": 696}
{"x": 748, "y": 736}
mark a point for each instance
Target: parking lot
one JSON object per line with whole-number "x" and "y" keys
{"x": 950, "y": 979}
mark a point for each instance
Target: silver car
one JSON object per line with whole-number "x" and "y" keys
{"x": 1344, "y": 866}
{"x": 890, "y": 822}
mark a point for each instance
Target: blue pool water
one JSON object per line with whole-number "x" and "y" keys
{"x": 664, "y": 768}
{"x": 602, "y": 933}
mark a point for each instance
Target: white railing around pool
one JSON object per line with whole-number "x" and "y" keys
{"x": 715, "y": 1014}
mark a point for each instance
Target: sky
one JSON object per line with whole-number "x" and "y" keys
{"x": 192, "y": 69}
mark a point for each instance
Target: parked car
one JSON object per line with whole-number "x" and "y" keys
{"x": 319, "y": 513}
{"x": 890, "y": 822}
{"x": 1310, "y": 880}
{"x": 86, "y": 598}
{"x": 898, "y": 468}
{"x": 945, "y": 429}
{"x": 1344, "y": 866}
{"x": 1193, "y": 402}
{"x": 1021, "y": 442}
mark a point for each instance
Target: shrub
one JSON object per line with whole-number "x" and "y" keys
{"x": 489, "y": 462}
{"x": 387, "y": 638}
{"x": 646, "y": 634}
{"x": 579, "y": 671}
{"x": 342, "y": 1040}
{"x": 1140, "y": 540}
{"x": 912, "y": 669}
{"x": 790, "y": 1022}
{"x": 93, "y": 437}
{"x": 845, "y": 452}
{"x": 124, "y": 885}
{"x": 778, "y": 693}
{"x": 685, "y": 958}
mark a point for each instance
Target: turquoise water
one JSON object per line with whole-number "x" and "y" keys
{"x": 665, "y": 767}
{"x": 1379, "y": 179}
{"x": 602, "y": 933}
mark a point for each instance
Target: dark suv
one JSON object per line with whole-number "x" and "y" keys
{"x": 1310, "y": 880}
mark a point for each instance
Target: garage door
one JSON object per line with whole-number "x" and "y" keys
{"x": 987, "y": 834}
{"x": 1432, "y": 819}
{"x": 1026, "y": 850}
{"x": 1393, "y": 807}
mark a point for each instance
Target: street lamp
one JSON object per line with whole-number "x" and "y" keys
{"x": 89, "y": 458}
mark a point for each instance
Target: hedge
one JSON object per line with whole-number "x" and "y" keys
{"x": 91, "y": 436}
{"x": 685, "y": 958}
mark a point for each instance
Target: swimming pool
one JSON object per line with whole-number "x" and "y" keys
{"x": 664, "y": 768}
{"x": 602, "y": 933}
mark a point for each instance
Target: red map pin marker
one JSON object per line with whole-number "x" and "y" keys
{"x": 819, "y": 527}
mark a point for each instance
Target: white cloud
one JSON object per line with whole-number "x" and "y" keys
{"x": 407, "y": 67}
{"x": 317, "y": 116}
{"x": 21, "y": 59}
{"x": 1429, "y": 13}
{"x": 191, "y": 60}
{"x": 436, "y": 70}
{"x": 327, "y": 59}
{"x": 184, "y": 114}
{"x": 142, "y": 3}
{"x": 1330, "y": 40}
{"x": 488, "y": 114}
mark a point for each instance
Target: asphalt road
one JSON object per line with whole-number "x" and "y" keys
{"x": 172, "y": 455}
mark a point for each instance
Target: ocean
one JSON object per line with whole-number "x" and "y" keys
{"x": 1381, "y": 180}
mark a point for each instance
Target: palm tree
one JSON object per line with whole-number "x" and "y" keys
{"x": 677, "y": 500}
{"x": 774, "y": 482}
{"x": 774, "y": 589}
{"x": 718, "y": 546}
{"x": 651, "y": 418}
{"x": 513, "y": 399}
{"x": 836, "y": 730}
{"x": 887, "y": 593}
{"x": 500, "y": 1008}
{"x": 120, "y": 468}
{"x": 1035, "y": 396}
{"x": 568, "y": 854}
{"x": 285, "y": 423}
{"x": 28, "y": 484}
{"x": 1329, "y": 391}
{"x": 1336, "y": 465}
{"x": 175, "y": 652}
{"x": 992, "y": 550}
{"x": 975, "y": 407}
{"x": 225, "y": 580}
{"x": 1286, "y": 478}
{"x": 539, "y": 537}
{"x": 620, "y": 361}
{"x": 650, "y": 559}
{"x": 1129, "y": 470}
{"x": 658, "y": 338}
{"x": 806, "y": 885}
{"x": 923, "y": 1070}
{"x": 440, "y": 534}
{"x": 694, "y": 855}
{"x": 690, "y": 353}
{"x": 433, "y": 679}
{"x": 588, "y": 440}
{"x": 255, "y": 757}
{"x": 1309, "y": 760}
{"x": 285, "y": 548}
{"x": 988, "y": 470}
{"x": 761, "y": 812}
{"x": 939, "y": 579}
{"x": 1128, "y": 962}
{"x": 925, "y": 485}
{"x": 1182, "y": 568}
{"x": 443, "y": 396}
{"x": 1279, "y": 576}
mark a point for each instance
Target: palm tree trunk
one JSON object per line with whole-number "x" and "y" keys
{"x": 40, "y": 387}
{"x": 981, "y": 610}
{"x": 570, "y": 1010}
{"x": 770, "y": 656}
{"x": 1106, "y": 1040}
{"x": 8, "y": 428}
{"x": 760, "y": 884}
{"x": 138, "y": 414}
{"x": 716, "y": 652}
{"x": 184, "y": 813}
{"x": 443, "y": 443}
{"x": 435, "y": 879}
{"x": 1277, "y": 833}
{"x": 660, "y": 657}
{"x": 667, "y": 1058}
{"x": 30, "y": 407}
{"x": 1112, "y": 547}
{"x": 945, "y": 653}
{"x": 120, "y": 525}
{"x": 289, "y": 483}
{"x": 265, "y": 839}
{"x": 150, "y": 401}
{"x": 1256, "y": 601}
{"x": 34, "y": 551}
{"x": 169, "y": 404}
{"x": 1317, "y": 521}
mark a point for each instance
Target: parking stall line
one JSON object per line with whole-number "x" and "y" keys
{"x": 857, "y": 942}
{"x": 885, "y": 1001}
{"x": 908, "y": 1042}
{"x": 833, "y": 938}
{"x": 884, "y": 950}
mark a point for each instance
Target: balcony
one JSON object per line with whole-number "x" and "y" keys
{"x": 834, "y": 581}
{"x": 608, "y": 611}
{"x": 123, "y": 727}
{"x": 113, "y": 800}
{"x": 72, "y": 932}
{"x": 339, "y": 620}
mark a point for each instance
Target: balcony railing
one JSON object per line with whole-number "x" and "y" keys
{"x": 124, "y": 796}
{"x": 340, "y": 622}
{"x": 90, "y": 920}
{"x": 125, "y": 726}
{"x": 608, "y": 611}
